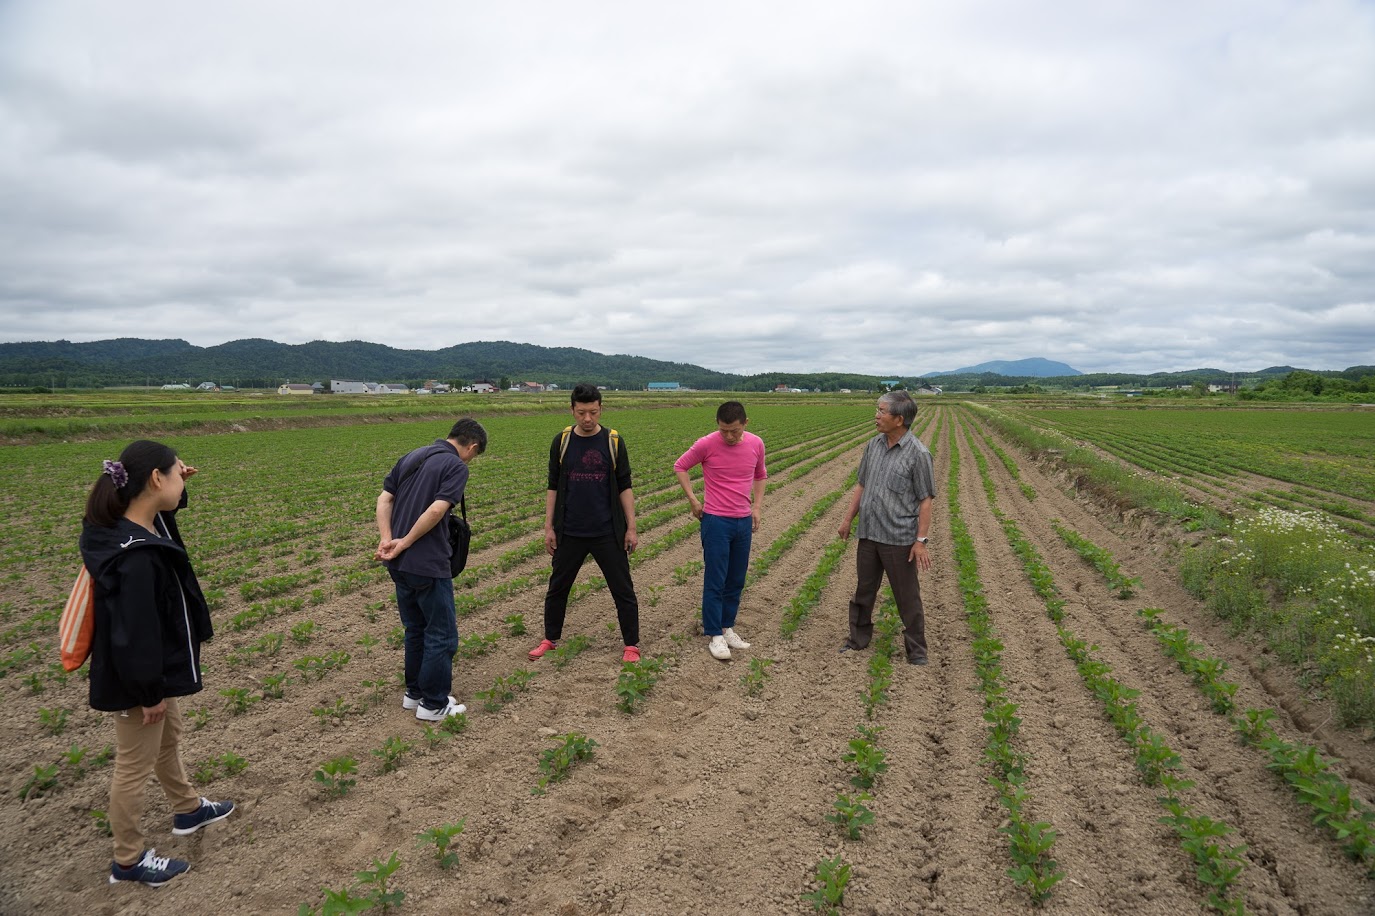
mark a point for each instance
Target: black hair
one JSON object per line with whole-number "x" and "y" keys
{"x": 584, "y": 393}
{"x": 468, "y": 431}
{"x": 731, "y": 412}
{"x": 107, "y": 503}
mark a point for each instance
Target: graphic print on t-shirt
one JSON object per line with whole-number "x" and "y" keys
{"x": 587, "y": 512}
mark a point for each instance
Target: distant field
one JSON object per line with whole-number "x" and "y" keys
{"x": 111, "y": 413}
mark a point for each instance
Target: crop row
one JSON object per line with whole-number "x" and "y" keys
{"x": 1218, "y": 866}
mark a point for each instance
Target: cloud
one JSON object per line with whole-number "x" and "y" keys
{"x": 750, "y": 188}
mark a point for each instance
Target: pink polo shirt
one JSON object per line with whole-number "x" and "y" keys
{"x": 728, "y": 472}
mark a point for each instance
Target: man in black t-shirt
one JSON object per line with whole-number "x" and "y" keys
{"x": 589, "y": 509}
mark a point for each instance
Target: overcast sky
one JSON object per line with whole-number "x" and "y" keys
{"x": 875, "y": 187}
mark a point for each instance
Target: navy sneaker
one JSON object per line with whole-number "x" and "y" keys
{"x": 207, "y": 813}
{"x": 152, "y": 870}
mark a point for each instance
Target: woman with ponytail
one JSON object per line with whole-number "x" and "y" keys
{"x": 150, "y": 619}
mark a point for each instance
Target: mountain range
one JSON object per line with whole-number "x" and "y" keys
{"x": 258, "y": 363}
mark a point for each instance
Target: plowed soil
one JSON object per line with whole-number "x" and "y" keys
{"x": 712, "y": 801}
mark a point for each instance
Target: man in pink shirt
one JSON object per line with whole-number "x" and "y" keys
{"x": 733, "y": 477}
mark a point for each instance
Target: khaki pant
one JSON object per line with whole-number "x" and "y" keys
{"x": 142, "y": 750}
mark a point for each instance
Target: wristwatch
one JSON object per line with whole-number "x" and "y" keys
{"x": 921, "y": 540}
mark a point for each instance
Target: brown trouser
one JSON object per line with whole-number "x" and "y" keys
{"x": 872, "y": 561}
{"x": 141, "y": 750}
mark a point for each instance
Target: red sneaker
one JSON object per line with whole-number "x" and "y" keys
{"x": 632, "y": 654}
{"x": 543, "y": 647}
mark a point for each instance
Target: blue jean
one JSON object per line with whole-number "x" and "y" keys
{"x": 427, "y": 612}
{"x": 726, "y": 553}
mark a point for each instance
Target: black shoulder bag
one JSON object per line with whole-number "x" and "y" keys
{"x": 460, "y": 533}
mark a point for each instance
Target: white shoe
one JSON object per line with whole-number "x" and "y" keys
{"x": 410, "y": 702}
{"x": 718, "y": 648}
{"x": 439, "y": 715}
{"x": 733, "y": 639}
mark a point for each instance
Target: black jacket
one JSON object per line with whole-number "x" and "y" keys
{"x": 150, "y": 615}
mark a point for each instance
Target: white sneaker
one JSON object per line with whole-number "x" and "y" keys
{"x": 733, "y": 639}
{"x": 718, "y": 648}
{"x": 439, "y": 715}
{"x": 410, "y": 702}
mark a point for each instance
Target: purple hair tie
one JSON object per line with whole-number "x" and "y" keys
{"x": 117, "y": 473}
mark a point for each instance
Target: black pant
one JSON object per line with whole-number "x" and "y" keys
{"x": 615, "y": 567}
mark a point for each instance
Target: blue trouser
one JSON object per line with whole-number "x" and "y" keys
{"x": 726, "y": 553}
{"x": 426, "y": 605}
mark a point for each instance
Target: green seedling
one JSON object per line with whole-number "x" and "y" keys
{"x": 231, "y": 763}
{"x": 54, "y": 720}
{"x": 396, "y": 638}
{"x": 852, "y": 815}
{"x": 376, "y": 879}
{"x": 556, "y": 762}
{"x": 199, "y": 718}
{"x": 370, "y": 611}
{"x": 102, "y": 821}
{"x": 269, "y": 644}
{"x": 303, "y": 632}
{"x": 376, "y": 691}
{"x": 367, "y": 641}
{"x": 238, "y": 700}
{"x": 103, "y": 757}
{"x": 434, "y": 737}
{"x": 653, "y": 593}
{"x": 43, "y": 781}
{"x": 477, "y": 645}
{"x": 34, "y": 682}
{"x": 338, "y": 712}
{"x": 1033, "y": 868}
{"x": 453, "y": 725}
{"x": 205, "y": 772}
{"x": 570, "y": 649}
{"x": 515, "y": 624}
{"x": 869, "y": 762}
{"x": 274, "y": 686}
{"x": 442, "y": 838}
{"x": 832, "y": 878}
{"x": 75, "y": 759}
{"x": 753, "y": 679}
{"x": 391, "y": 751}
{"x": 334, "y": 775}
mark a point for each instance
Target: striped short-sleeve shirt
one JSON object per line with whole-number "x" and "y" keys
{"x": 896, "y": 479}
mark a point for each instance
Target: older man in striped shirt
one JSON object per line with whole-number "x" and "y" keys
{"x": 893, "y": 501}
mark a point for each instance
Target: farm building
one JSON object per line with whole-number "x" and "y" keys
{"x": 484, "y": 387}
{"x": 296, "y": 388}
{"x": 663, "y": 386}
{"x": 347, "y": 386}
{"x": 393, "y": 389}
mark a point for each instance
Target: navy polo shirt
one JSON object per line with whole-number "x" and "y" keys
{"x": 442, "y": 476}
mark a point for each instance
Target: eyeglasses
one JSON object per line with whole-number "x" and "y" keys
{"x": 882, "y": 413}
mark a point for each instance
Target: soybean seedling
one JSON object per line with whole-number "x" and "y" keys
{"x": 753, "y": 680}
{"x": 274, "y": 686}
{"x": 54, "y": 720}
{"x": 852, "y": 815}
{"x": 43, "y": 780}
{"x": 199, "y": 717}
{"x": 334, "y": 776}
{"x": 303, "y": 632}
{"x": 515, "y": 624}
{"x": 831, "y": 877}
{"x": 238, "y": 700}
{"x": 555, "y": 762}
{"x": 391, "y": 751}
{"x": 868, "y": 759}
{"x": 231, "y": 763}
{"x": 367, "y": 641}
{"x": 102, "y": 821}
{"x": 376, "y": 879}
{"x": 441, "y": 838}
